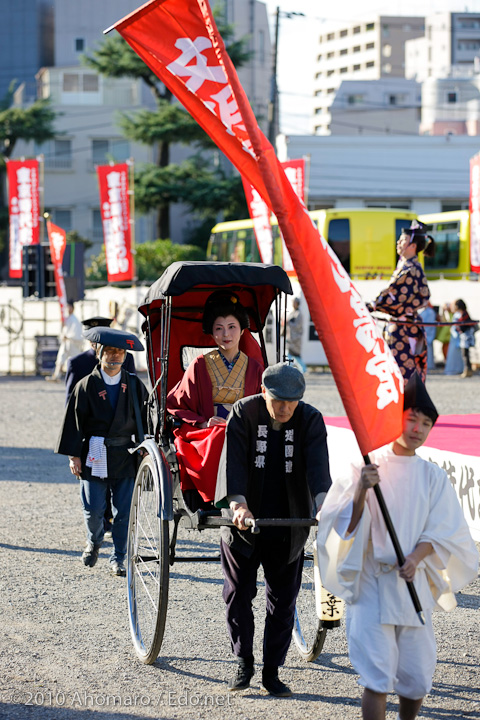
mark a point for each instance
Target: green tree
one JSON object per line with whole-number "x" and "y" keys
{"x": 168, "y": 124}
{"x": 151, "y": 259}
{"x": 35, "y": 122}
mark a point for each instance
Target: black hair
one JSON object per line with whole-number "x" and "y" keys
{"x": 222, "y": 303}
{"x": 430, "y": 412}
{"x": 460, "y": 304}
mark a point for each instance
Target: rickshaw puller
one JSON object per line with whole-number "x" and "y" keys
{"x": 274, "y": 465}
{"x": 99, "y": 423}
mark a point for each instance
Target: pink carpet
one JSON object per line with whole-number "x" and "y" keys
{"x": 458, "y": 433}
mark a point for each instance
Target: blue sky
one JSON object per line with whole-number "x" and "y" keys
{"x": 298, "y": 37}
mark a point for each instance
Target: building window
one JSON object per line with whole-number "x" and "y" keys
{"x": 343, "y": 33}
{"x": 369, "y": 46}
{"x": 330, "y": 36}
{"x": 330, "y": 72}
{"x": 370, "y": 26}
{"x": 343, "y": 70}
{"x": 355, "y": 99}
{"x": 344, "y": 51}
{"x": 318, "y": 93}
{"x": 387, "y": 68}
{"x": 387, "y": 51}
{"x": 356, "y": 30}
{"x": 62, "y": 218}
{"x": 330, "y": 90}
{"x": 407, "y": 28}
{"x": 57, "y": 153}
{"x": 468, "y": 45}
{"x": 261, "y": 47}
{"x": 356, "y": 48}
{"x": 79, "y": 44}
{"x": 356, "y": 67}
{"x": 77, "y": 82}
{"x": 370, "y": 64}
{"x": 386, "y": 30}
{"x": 330, "y": 55}
{"x": 319, "y": 57}
{"x": 451, "y": 97}
{"x": 97, "y": 226}
{"x": 106, "y": 149}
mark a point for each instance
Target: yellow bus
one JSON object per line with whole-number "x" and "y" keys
{"x": 451, "y": 232}
{"x": 364, "y": 239}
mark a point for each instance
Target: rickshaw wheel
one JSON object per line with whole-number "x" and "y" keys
{"x": 308, "y": 633}
{"x": 148, "y": 565}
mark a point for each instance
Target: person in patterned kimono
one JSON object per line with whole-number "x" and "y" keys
{"x": 203, "y": 398}
{"x": 274, "y": 465}
{"x": 106, "y": 410}
{"x": 402, "y": 299}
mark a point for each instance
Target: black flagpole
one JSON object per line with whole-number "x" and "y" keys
{"x": 396, "y": 545}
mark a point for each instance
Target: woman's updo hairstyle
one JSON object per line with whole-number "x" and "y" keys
{"x": 418, "y": 235}
{"x": 222, "y": 303}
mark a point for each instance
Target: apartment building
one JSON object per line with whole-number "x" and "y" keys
{"x": 366, "y": 50}
{"x": 449, "y": 47}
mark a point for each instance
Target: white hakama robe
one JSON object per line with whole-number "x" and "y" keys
{"x": 388, "y": 645}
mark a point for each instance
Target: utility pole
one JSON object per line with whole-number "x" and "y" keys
{"x": 273, "y": 104}
{"x": 273, "y": 109}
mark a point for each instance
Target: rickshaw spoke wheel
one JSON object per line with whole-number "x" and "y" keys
{"x": 308, "y": 633}
{"x": 148, "y": 567}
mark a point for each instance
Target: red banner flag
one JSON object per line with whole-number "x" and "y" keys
{"x": 475, "y": 213}
{"x": 260, "y": 214}
{"x": 179, "y": 41}
{"x": 57, "y": 238}
{"x": 24, "y": 210}
{"x": 115, "y": 211}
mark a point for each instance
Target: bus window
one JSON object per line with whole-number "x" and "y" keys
{"x": 447, "y": 246}
{"x": 339, "y": 240}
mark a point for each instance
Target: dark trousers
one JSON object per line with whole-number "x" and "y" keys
{"x": 282, "y": 583}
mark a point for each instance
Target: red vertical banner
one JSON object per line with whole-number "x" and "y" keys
{"x": 260, "y": 214}
{"x": 295, "y": 172}
{"x": 57, "y": 239}
{"x": 24, "y": 210}
{"x": 475, "y": 213}
{"x": 115, "y": 211}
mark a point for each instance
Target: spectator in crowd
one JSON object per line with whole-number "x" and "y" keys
{"x": 295, "y": 334}
{"x": 71, "y": 342}
{"x": 466, "y": 335}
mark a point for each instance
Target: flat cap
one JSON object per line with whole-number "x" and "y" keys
{"x": 283, "y": 382}
{"x": 113, "y": 338}
{"x": 96, "y": 321}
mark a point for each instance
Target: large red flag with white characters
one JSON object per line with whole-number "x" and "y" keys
{"x": 115, "y": 211}
{"x": 179, "y": 41}
{"x": 57, "y": 238}
{"x": 475, "y": 213}
{"x": 24, "y": 210}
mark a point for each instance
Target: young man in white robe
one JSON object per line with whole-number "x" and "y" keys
{"x": 388, "y": 645}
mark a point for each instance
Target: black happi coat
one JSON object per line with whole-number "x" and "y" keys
{"x": 89, "y": 413}
{"x": 239, "y": 472}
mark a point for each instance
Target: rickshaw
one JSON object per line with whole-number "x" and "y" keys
{"x": 173, "y": 309}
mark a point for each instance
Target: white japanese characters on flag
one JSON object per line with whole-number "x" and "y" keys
{"x": 115, "y": 211}
{"x": 24, "y": 210}
{"x": 58, "y": 242}
{"x": 382, "y": 365}
{"x": 475, "y": 213}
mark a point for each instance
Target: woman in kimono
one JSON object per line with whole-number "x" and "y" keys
{"x": 407, "y": 293}
{"x": 210, "y": 386}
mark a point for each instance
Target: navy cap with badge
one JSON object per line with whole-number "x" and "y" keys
{"x": 96, "y": 321}
{"x": 111, "y": 337}
{"x": 283, "y": 382}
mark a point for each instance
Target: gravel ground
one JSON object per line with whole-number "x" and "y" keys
{"x": 66, "y": 650}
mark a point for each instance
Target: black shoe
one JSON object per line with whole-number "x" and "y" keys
{"x": 118, "y": 569}
{"x": 241, "y": 681}
{"x": 90, "y": 555}
{"x": 274, "y": 686}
